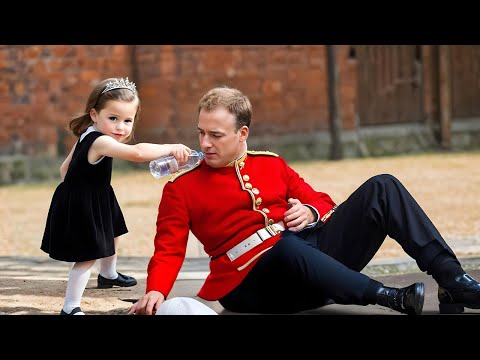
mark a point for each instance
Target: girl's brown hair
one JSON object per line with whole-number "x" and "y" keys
{"x": 98, "y": 100}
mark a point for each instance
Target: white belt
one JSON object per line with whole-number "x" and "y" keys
{"x": 255, "y": 239}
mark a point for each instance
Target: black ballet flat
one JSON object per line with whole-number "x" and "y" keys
{"x": 73, "y": 312}
{"x": 121, "y": 280}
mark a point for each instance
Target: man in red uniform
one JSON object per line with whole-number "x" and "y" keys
{"x": 279, "y": 246}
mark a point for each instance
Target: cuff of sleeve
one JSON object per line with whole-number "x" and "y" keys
{"x": 317, "y": 216}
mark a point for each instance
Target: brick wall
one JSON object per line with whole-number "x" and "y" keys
{"x": 286, "y": 85}
{"x": 42, "y": 87}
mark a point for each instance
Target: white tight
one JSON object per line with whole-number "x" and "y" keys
{"x": 77, "y": 282}
{"x": 80, "y": 274}
{"x": 108, "y": 267}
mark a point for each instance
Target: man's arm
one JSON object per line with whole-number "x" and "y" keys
{"x": 170, "y": 248}
{"x": 308, "y": 205}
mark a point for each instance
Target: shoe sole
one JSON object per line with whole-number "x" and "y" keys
{"x": 456, "y": 308}
{"x": 419, "y": 298}
{"x": 108, "y": 286}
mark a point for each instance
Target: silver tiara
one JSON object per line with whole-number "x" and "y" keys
{"x": 120, "y": 84}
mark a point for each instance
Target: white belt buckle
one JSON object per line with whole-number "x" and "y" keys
{"x": 272, "y": 229}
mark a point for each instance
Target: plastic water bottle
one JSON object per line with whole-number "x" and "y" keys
{"x": 167, "y": 165}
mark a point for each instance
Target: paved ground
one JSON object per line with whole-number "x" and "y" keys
{"x": 396, "y": 273}
{"x": 402, "y": 272}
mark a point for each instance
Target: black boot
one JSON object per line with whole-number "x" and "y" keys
{"x": 407, "y": 300}
{"x": 466, "y": 293}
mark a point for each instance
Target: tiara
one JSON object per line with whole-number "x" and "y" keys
{"x": 120, "y": 84}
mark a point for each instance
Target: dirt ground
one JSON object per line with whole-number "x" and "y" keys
{"x": 446, "y": 185}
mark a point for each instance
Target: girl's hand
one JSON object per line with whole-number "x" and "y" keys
{"x": 180, "y": 152}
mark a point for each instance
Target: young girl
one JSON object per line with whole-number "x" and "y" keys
{"x": 85, "y": 220}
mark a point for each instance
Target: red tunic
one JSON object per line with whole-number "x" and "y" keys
{"x": 222, "y": 207}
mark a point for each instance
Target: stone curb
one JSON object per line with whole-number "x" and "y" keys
{"x": 192, "y": 268}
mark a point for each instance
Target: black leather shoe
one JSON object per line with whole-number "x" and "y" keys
{"x": 455, "y": 300}
{"x": 121, "y": 280}
{"x": 408, "y": 300}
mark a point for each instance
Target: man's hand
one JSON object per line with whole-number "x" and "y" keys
{"x": 147, "y": 304}
{"x": 297, "y": 216}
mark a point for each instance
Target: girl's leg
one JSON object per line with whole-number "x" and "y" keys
{"x": 109, "y": 276}
{"x": 77, "y": 282}
{"x": 108, "y": 265}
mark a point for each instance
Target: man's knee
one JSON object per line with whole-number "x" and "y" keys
{"x": 383, "y": 179}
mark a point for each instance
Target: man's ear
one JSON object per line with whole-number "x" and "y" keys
{"x": 244, "y": 133}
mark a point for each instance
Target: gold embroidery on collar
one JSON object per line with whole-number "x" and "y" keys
{"x": 240, "y": 159}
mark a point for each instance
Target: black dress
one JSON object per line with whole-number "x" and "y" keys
{"x": 84, "y": 215}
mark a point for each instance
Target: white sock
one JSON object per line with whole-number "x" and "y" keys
{"x": 108, "y": 267}
{"x": 77, "y": 282}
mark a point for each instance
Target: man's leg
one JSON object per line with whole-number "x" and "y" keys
{"x": 294, "y": 276}
{"x": 382, "y": 206}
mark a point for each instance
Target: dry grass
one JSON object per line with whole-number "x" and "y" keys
{"x": 446, "y": 185}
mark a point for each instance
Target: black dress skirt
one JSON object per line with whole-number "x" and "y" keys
{"x": 84, "y": 215}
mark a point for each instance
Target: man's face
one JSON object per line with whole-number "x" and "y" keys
{"x": 219, "y": 140}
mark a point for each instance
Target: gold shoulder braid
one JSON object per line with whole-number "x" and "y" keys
{"x": 269, "y": 153}
{"x": 175, "y": 176}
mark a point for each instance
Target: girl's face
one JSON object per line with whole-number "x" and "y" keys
{"x": 115, "y": 119}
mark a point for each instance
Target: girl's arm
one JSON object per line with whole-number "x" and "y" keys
{"x": 106, "y": 146}
{"x": 66, "y": 163}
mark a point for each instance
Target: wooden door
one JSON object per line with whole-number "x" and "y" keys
{"x": 389, "y": 84}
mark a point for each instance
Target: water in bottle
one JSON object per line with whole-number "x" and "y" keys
{"x": 167, "y": 165}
